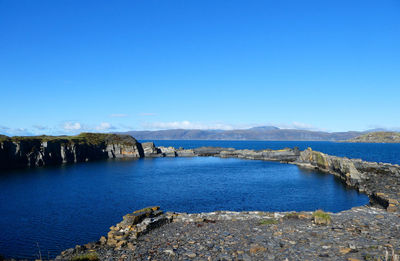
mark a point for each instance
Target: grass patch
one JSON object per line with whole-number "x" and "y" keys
{"x": 83, "y": 138}
{"x": 321, "y": 214}
{"x": 293, "y": 215}
{"x": 86, "y": 257}
{"x": 268, "y": 221}
{"x": 321, "y": 217}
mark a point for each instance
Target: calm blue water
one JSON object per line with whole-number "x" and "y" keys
{"x": 378, "y": 152}
{"x": 58, "y": 207}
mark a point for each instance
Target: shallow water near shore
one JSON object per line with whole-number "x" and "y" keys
{"x": 51, "y": 209}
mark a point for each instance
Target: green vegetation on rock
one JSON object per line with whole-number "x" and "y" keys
{"x": 268, "y": 221}
{"x": 293, "y": 215}
{"x": 86, "y": 137}
{"x": 321, "y": 217}
{"x": 317, "y": 156}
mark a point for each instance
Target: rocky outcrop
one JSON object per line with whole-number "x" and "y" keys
{"x": 380, "y": 181}
{"x": 168, "y": 151}
{"x": 124, "y": 234}
{"x": 210, "y": 151}
{"x": 20, "y": 152}
{"x": 150, "y": 150}
{"x": 134, "y": 225}
{"x": 284, "y": 155}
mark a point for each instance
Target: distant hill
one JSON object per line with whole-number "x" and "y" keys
{"x": 258, "y": 133}
{"x": 378, "y": 137}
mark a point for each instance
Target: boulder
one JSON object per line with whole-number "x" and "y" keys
{"x": 168, "y": 151}
{"x": 150, "y": 150}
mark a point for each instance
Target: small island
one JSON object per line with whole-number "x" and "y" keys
{"x": 377, "y": 137}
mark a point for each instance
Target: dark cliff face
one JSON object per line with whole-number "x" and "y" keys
{"x": 20, "y": 152}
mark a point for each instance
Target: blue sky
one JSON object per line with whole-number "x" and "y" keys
{"x": 71, "y": 66}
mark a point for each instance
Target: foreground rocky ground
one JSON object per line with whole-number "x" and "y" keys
{"x": 362, "y": 233}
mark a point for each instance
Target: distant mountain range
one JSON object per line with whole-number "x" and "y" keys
{"x": 257, "y": 133}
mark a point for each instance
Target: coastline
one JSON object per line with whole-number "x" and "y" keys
{"x": 362, "y": 233}
{"x": 378, "y": 225}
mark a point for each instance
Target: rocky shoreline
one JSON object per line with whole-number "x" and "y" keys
{"x": 380, "y": 181}
{"x": 363, "y": 233}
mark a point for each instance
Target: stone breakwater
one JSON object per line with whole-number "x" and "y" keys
{"x": 362, "y": 233}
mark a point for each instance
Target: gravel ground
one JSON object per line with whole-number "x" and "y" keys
{"x": 362, "y": 233}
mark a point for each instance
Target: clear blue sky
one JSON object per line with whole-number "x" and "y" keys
{"x": 79, "y": 65}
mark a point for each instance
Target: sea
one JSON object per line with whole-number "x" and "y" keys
{"x": 47, "y": 210}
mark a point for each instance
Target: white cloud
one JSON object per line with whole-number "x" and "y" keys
{"x": 72, "y": 126}
{"x": 303, "y": 126}
{"x": 192, "y": 125}
{"x": 104, "y": 126}
{"x": 15, "y": 131}
{"x": 298, "y": 126}
{"x": 119, "y": 115}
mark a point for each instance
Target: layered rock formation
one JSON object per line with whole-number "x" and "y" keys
{"x": 20, "y": 152}
{"x": 380, "y": 181}
{"x": 150, "y": 150}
